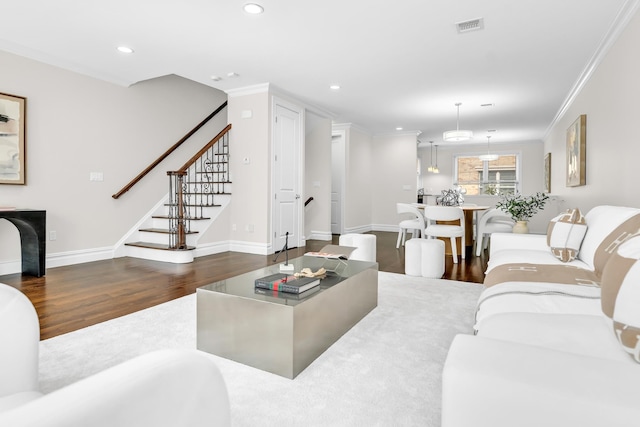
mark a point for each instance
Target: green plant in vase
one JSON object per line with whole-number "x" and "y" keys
{"x": 522, "y": 208}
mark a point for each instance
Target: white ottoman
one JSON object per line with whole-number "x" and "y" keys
{"x": 424, "y": 257}
{"x": 366, "y": 244}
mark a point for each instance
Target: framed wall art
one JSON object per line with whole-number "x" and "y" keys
{"x": 12, "y": 139}
{"x": 577, "y": 152}
{"x": 547, "y": 173}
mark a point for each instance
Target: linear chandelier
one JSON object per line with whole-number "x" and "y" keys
{"x": 457, "y": 135}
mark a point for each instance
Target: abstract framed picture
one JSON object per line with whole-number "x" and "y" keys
{"x": 577, "y": 152}
{"x": 547, "y": 173}
{"x": 12, "y": 139}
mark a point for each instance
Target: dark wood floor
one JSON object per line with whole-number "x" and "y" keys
{"x": 73, "y": 297}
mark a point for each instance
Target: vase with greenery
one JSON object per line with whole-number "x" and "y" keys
{"x": 522, "y": 208}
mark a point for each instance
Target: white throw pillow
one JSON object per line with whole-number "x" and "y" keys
{"x": 565, "y": 234}
{"x": 621, "y": 295}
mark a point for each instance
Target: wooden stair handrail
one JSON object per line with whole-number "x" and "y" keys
{"x": 204, "y": 149}
{"x": 148, "y": 169}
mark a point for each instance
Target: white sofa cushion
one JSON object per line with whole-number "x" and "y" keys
{"x": 534, "y": 297}
{"x": 587, "y": 335}
{"x": 608, "y": 227}
{"x": 565, "y": 234}
{"x": 621, "y": 295}
{"x": 487, "y": 382}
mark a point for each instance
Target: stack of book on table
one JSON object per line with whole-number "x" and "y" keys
{"x": 287, "y": 283}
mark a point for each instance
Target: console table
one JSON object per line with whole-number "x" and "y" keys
{"x": 31, "y": 224}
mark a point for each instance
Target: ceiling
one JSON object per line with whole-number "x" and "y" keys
{"x": 399, "y": 63}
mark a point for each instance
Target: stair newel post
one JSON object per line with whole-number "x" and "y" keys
{"x": 181, "y": 234}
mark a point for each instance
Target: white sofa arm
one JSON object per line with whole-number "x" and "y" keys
{"x": 19, "y": 342}
{"x": 497, "y": 383}
{"x": 514, "y": 241}
{"x": 162, "y": 388}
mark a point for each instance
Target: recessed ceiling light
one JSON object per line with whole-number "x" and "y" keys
{"x": 398, "y": 128}
{"x": 253, "y": 8}
{"x": 216, "y": 78}
{"x": 334, "y": 87}
{"x": 232, "y": 74}
{"x": 125, "y": 49}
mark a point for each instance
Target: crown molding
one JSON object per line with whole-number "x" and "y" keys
{"x": 247, "y": 90}
{"x": 627, "y": 11}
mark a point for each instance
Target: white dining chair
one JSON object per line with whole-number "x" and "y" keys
{"x": 493, "y": 221}
{"x": 415, "y": 225}
{"x": 432, "y": 214}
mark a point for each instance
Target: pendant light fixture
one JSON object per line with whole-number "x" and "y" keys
{"x": 488, "y": 157}
{"x": 435, "y": 168}
{"x": 430, "y": 168}
{"x": 457, "y": 135}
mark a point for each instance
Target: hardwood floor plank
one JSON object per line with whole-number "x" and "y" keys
{"x": 76, "y": 296}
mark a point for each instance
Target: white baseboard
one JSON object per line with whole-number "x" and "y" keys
{"x": 385, "y": 227}
{"x": 212, "y": 248}
{"x": 61, "y": 259}
{"x": 358, "y": 230}
{"x": 249, "y": 247}
{"x": 320, "y": 235}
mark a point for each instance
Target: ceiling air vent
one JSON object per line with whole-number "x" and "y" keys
{"x": 471, "y": 25}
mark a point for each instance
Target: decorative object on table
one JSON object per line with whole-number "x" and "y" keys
{"x": 286, "y": 283}
{"x": 547, "y": 173}
{"x": 453, "y": 197}
{"x": 577, "y": 152}
{"x": 286, "y": 266}
{"x": 333, "y": 252}
{"x": 12, "y": 139}
{"x": 307, "y": 272}
{"x": 522, "y": 208}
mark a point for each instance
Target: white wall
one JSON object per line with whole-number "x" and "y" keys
{"x": 610, "y": 101}
{"x": 77, "y": 125}
{"x": 317, "y": 215}
{"x": 393, "y": 163}
{"x": 358, "y": 181}
{"x": 250, "y": 205}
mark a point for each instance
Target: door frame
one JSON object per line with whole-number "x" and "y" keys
{"x": 340, "y": 134}
{"x": 299, "y": 241}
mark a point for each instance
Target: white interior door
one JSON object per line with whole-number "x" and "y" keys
{"x": 287, "y": 175}
{"x": 337, "y": 180}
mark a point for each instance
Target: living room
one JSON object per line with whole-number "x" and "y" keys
{"x": 79, "y": 124}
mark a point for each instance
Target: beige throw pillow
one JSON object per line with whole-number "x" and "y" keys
{"x": 565, "y": 234}
{"x": 621, "y": 295}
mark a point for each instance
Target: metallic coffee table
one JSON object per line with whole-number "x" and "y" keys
{"x": 284, "y": 333}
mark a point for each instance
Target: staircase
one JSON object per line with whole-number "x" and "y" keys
{"x": 198, "y": 192}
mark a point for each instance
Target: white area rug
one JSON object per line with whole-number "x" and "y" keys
{"x": 385, "y": 371}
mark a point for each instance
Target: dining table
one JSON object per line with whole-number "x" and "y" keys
{"x": 470, "y": 212}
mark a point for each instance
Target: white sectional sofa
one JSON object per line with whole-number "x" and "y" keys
{"x": 546, "y": 351}
{"x": 163, "y": 388}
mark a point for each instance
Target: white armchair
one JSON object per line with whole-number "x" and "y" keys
{"x": 162, "y": 388}
{"x": 19, "y": 338}
{"x": 432, "y": 214}
{"x": 493, "y": 221}
{"x": 416, "y": 224}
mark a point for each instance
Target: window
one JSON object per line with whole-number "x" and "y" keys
{"x": 493, "y": 178}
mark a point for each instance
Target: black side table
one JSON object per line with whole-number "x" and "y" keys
{"x": 31, "y": 224}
